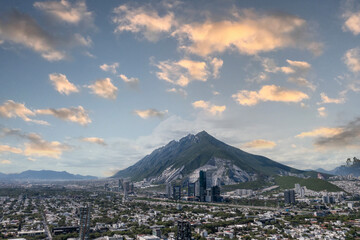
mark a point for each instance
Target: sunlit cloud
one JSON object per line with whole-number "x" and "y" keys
{"x": 322, "y": 111}
{"x": 132, "y": 82}
{"x": 325, "y": 99}
{"x": 142, "y": 20}
{"x": 65, "y": 11}
{"x": 104, "y": 88}
{"x": 249, "y": 33}
{"x": 62, "y": 84}
{"x": 268, "y": 93}
{"x": 5, "y": 162}
{"x": 110, "y": 67}
{"x": 321, "y": 132}
{"x": 348, "y": 137}
{"x": 74, "y": 114}
{"x": 95, "y": 140}
{"x": 208, "y": 107}
{"x": 352, "y": 59}
{"x": 185, "y": 71}
{"x": 11, "y": 109}
{"x": 145, "y": 114}
{"x": 180, "y": 91}
{"x": 42, "y": 148}
{"x": 260, "y": 144}
{"x": 7, "y": 148}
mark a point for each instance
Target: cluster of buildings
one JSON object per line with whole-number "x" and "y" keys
{"x": 202, "y": 190}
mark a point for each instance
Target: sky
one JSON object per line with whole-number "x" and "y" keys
{"x": 91, "y": 87}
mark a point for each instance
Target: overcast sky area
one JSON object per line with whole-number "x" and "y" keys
{"x": 91, "y": 87}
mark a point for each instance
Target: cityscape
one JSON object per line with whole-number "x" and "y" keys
{"x": 179, "y": 120}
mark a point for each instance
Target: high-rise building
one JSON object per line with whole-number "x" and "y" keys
{"x": 126, "y": 186}
{"x": 120, "y": 185}
{"x": 289, "y": 196}
{"x": 197, "y": 189}
{"x": 202, "y": 182}
{"x": 209, "y": 178}
{"x": 168, "y": 190}
{"x": 191, "y": 189}
{"x": 183, "y": 231}
{"x": 215, "y": 194}
{"x": 297, "y": 188}
{"x": 177, "y": 192}
{"x": 84, "y": 222}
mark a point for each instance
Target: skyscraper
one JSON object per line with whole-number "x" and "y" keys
{"x": 202, "y": 182}
{"x": 183, "y": 231}
{"x": 177, "y": 192}
{"x": 168, "y": 190}
{"x": 191, "y": 189}
{"x": 289, "y": 196}
{"x": 84, "y": 222}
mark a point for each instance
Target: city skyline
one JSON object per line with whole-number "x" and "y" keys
{"x": 91, "y": 87}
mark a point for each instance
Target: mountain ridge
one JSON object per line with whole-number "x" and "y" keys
{"x": 43, "y": 175}
{"x": 192, "y": 152}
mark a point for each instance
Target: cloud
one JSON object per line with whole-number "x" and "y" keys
{"x": 5, "y": 162}
{"x": 42, "y": 148}
{"x": 35, "y": 145}
{"x": 352, "y": 59}
{"x": 11, "y": 109}
{"x": 260, "y": 144}
{"x": 321, "y": 132}
{"x": 268, "y": 93}
{"x": 352, "y": 23}
{"x": 21, "y": 29}
{"x": 208, "y": 107}
{"x": 96, "y": 140}
{"x": 150, "y": 113}
{"x": 104, "y": 88}
{"x": 184, "y": 71}
{"x": 74, "y": 114}
{"x": 142, "y": 20}
{"x": 216, "y": 64}
{"x": 65, "y": 11}
{"x": 326, "y": 99}
{"x": 180, "y": 91}
{"x": 322, "y": 111}
{"x": 6, "y": 148}
{"x": 110, "y": 67}
{"x": 347, "y": 137}
{"x": 248, "y": 33}
{"x": 62, "y": 84}
{"x": 132, "y": 82}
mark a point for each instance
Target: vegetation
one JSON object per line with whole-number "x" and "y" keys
{"x": 254, "y": 185}
{"x": 286, "y": 182}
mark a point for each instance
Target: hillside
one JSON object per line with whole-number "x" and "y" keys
{"x": 43, "y": 175}
{"x": 288, "y": 182}
{"x": 184, "y": 158}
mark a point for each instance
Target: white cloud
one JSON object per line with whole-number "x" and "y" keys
{"x": 248, "y": 32}
{"x": 178, "y": 91}
{"x": 65, "y": 11}
{"x": 62, "y": 84}
{"x": 142, "y": 20}
{"x": 11, "y": 109}
{"x": 96, "y": 140}
{"x": 352, "y": 22}
{"x": 74, "y": 114}
{"x": 260, "y": 144}
{"x": 322, "y": 111}
{"x": 352, "y": 59}
{"x": 216, "y": 64}
{"x": 326, "y": 99}
{"x": 150, "y": 113}
{"x": 133, "y": 82}
{"x": 269, "y": 93}
{"x": 110, "y": 67}
{"x": 104, "y": 88}
{"x": 208, "y": 107}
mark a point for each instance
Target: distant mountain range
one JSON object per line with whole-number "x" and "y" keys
{"x": 43, "y": 175}
{"x": 342, "y": 171}
{"x": 184, "y": 159}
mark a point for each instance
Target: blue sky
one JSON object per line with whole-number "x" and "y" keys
{"x": 91, "y": 87}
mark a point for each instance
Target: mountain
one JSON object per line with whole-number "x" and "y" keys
{"x": 43, "y": 175}
{"x": 184, "y": 159}
{"x": 352, "y": 167}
